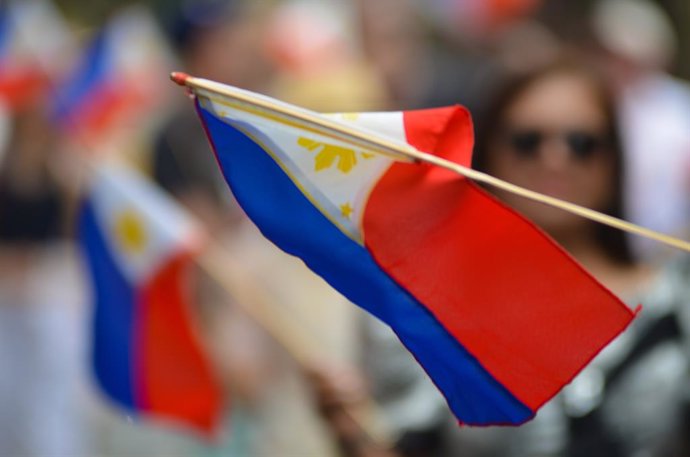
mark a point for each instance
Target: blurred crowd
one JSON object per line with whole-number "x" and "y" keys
{"x": 580, "y": 100}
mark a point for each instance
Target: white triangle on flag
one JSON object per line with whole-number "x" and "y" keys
{"x": 336, "y": 176}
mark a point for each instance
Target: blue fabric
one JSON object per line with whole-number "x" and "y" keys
{"x": 287, "y": 218}
{"x": 91, "y": 72}
{"x": 113, "y": 320}
{"x": 5, "y": 28}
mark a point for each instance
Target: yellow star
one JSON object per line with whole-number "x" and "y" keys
{"x": 130, "y": 232}
{"x": 346, "y": 210}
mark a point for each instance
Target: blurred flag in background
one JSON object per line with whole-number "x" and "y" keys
{"x": 139, "y": 245}
{"x": 118, "y": 83}
{"x": 36, "y": 46}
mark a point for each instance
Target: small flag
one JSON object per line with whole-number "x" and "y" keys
{"x": 138, "y": 244}
{"x": 499, "y": 316}
{"x": 117, "y": 80}
{"x": 35, "y": 46}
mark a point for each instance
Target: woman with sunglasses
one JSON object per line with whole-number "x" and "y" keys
{"x": 554, "y": 131}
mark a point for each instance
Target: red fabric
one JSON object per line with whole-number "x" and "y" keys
{"x": 529, "y": 313}
{"x": 503, "y": 11}
{"x": 175, "y": 379}
{"x": 103, "y": 110}
{"x": 21, "y": 88}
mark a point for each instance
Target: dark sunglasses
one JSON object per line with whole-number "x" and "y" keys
{"x": 583, "y": 146}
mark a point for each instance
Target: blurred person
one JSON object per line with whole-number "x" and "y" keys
{"x": 225, "y": 41}
{"x": 395, "y": 41}
{"x": 421, "y": 61}
{"x": 525, "y": 45}
{"x": 317, "y": 64}
{"x": 638, "y": 44}
{"x": 419, "y": 67}
{"x": 632, "y": 399}
{"x": 42, "y": 314}
{"x": 572, "y": 150}
{"x": 218, "y": 40}
{"x": 221, "y": 41}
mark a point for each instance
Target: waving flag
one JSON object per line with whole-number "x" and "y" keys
{"x": 35, "y": 46}
{"x": 499, "y": 316}
{"x": 117, "y": 79}
{"x": 139, "y": 244}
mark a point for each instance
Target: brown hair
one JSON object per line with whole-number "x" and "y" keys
{"x": 489, "y": 122}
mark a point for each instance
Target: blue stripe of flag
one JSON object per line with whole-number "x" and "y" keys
{"x": 5, "y": 28}
{"x": 90, "y": 74}
{"x": 114, "y": 314}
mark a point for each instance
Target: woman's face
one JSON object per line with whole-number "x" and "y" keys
{"x": 553, "y": 140}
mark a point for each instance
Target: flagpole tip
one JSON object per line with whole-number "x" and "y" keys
{"x": 179, "y": 77}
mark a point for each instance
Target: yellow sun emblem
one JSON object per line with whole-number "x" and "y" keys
{"x": 329, "y": 155}
{"x": 130, "y": 232}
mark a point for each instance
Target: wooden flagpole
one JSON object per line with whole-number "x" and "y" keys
{"x": 403, "y": 151}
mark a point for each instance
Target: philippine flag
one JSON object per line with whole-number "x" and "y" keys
{"x": 499, "y": 316}
{"x": 116, "y": 80}
{"x": 138, "y": 245}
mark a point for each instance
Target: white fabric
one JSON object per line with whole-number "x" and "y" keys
{"x": 340, "y": 186}
{"x": 121, "y": 196}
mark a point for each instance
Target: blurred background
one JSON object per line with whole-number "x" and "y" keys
{"x": 81, "y": 80}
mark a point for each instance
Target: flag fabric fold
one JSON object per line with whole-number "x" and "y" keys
{"x": 499, "y": 316}
{"x": 138, "y": 245}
